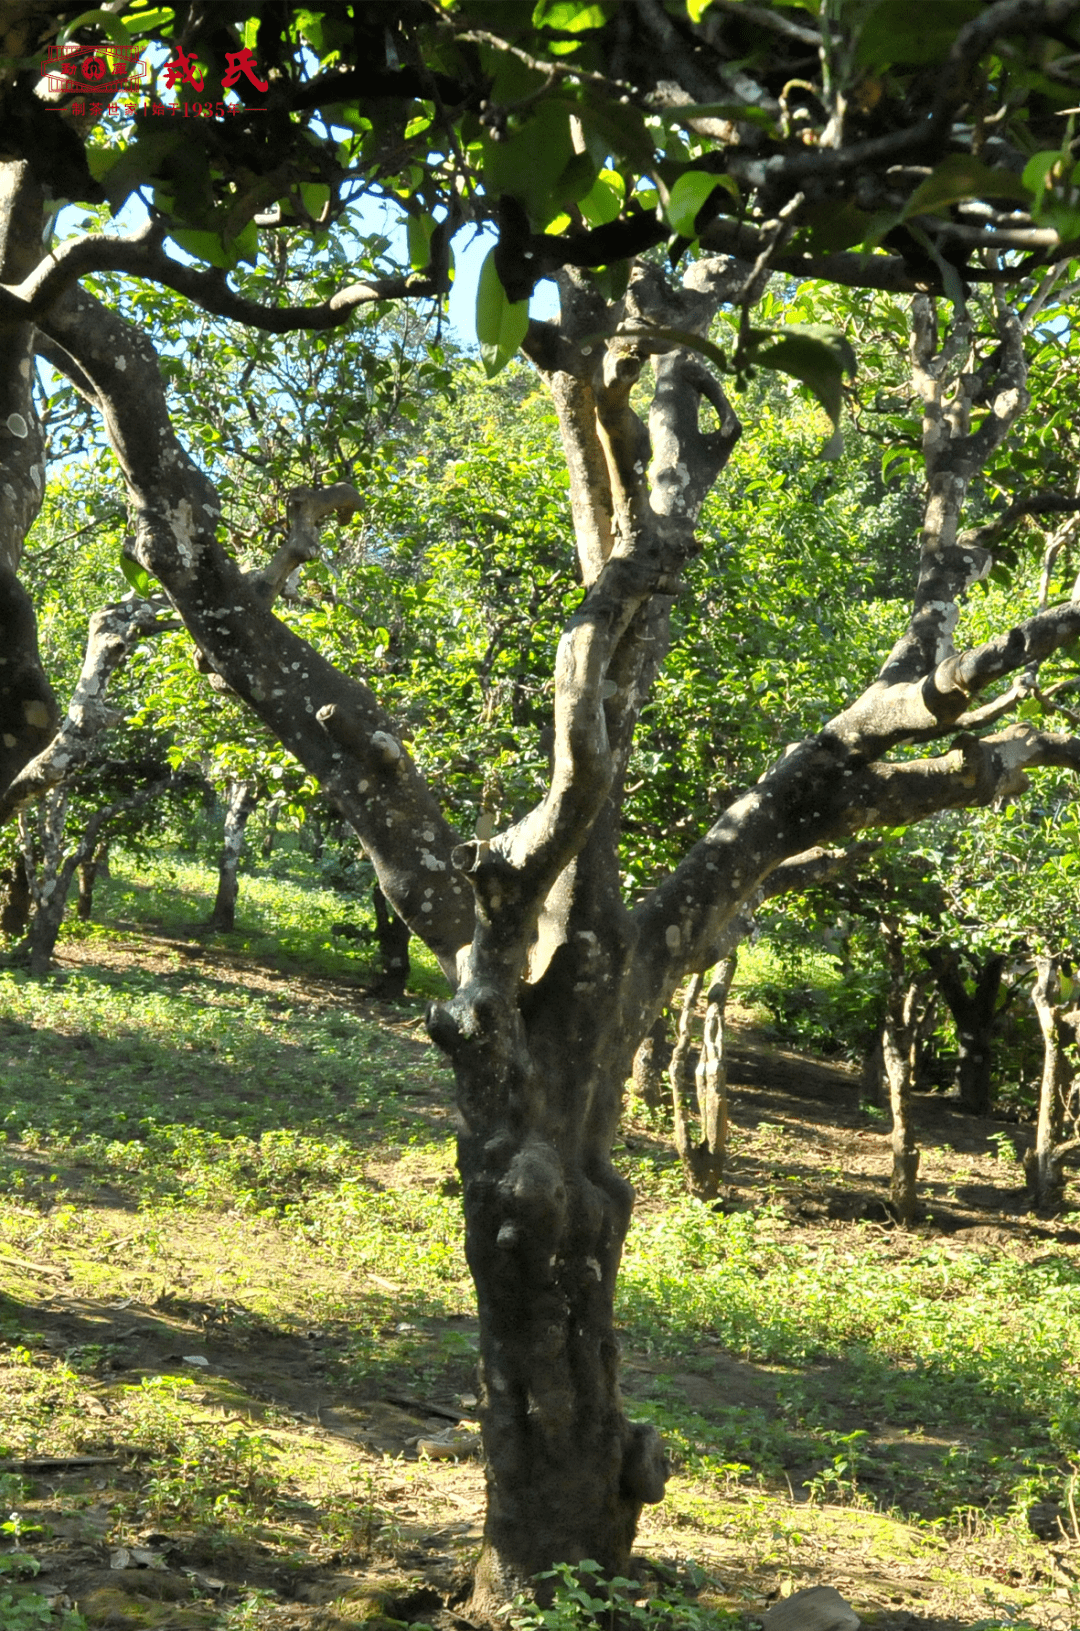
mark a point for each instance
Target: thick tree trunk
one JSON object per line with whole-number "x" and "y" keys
{"x": 546, "y": 1215}
{"x": 973, "y": 1014}
{"x": 1045, "y": 1162}
{"x": 651, "y": 1062}
{"x": 242, "y": 801}
{"x": 17, "y": 899}
{"x": 28, "y": 711}
{"x": 43, "y": 840}
{"x": 392, "y": 935}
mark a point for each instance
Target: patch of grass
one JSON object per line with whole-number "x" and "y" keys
{"x": 285, "y": 917}
{"x": 234, "y": 1145}
{"x": 979, "y": 1355}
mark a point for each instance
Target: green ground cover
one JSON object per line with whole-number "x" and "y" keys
{"x": 225, "y": 1134}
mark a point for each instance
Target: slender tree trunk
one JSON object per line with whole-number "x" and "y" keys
{"x": 392, "y": 935}
{"x": 679, "y": 1073}
{"x": 973, "y": 1014}
{"x": 1045, "y": 1162}
{"x": 703, "y": 1159}
{"x": 88, "y": 876}
{"x": 898, "y": 1044}
{"x": 873, "y": 1087}
{"x": 650, "y": 1064}
{"x": 242, "y": 801}
{"x": 711, "y": 1078}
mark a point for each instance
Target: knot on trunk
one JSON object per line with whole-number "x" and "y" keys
{"x": 533, "y": 1192}
{"x": 645, "y": 1468}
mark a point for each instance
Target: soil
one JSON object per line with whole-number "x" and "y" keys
{"x": 411, "y": 1534}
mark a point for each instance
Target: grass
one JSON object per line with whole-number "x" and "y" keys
{"x": 230, "y": 1229}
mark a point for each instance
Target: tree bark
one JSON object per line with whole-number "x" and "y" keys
{"x": 1059, "y": 1026}
{"x": 28, "y": 710}
{"x": 546, "y": 1216}
{"x": 89, "y": 870}
{"x": 703, "y": 1159}
{"x": 973, "y": 1014}
{"x": 243, "y": 798}
{"x": 392, "y": 936}
{"x": 651, "y": 1061}
{"x": 17, "y": 898}
{"x": 898, "y": 1046}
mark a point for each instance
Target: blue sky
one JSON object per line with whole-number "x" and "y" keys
{"x": 470, "y": 248}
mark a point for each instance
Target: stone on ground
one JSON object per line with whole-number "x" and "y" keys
{"x": 818, "y": 1608}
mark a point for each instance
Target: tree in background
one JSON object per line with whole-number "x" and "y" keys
{"x": 922, "y": 159}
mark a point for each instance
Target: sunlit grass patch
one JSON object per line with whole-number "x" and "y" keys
{"x": 284, "y": 916}
{"x": 946, "y": 1352}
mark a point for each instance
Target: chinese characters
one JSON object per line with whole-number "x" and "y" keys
{"x": 102, "y": 73}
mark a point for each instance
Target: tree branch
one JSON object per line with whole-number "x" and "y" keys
{"x": 306, "y": 508}
{"x": 142, "y": 255}
{"x": 331, "y": 722}
{"x": 113, "y": 634}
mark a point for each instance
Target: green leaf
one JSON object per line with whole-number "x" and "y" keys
{"x": 143, "y": 22}
{"x": 315, "y": 195}
{"x": 570, "y": 16}
{"x": 834, "y": 225}
{"x": 620, "y": 130}
{"x": 131, "y": 167}
{"x": 951, "y": 281}
{"x": 245, "y": 246}
{"x": 1037, "y": 176}
{"x": 736, "y": 112}
{"x": 501, "y": 325}
{"x": 138, "y": 577}
{"x": 958, "y": 177}
{"x": 604, "y": 199}
{"x": 104, "y": 20}
{"x": 814, "y": 353}
{"x": 688, "y": 197}
{"x": 204, "y": 246}
{"x": 903, "y": 31}
{"x": 418, "y": 232}
{"x": 529, "y": 163}
{"x": 100, "y": 160}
